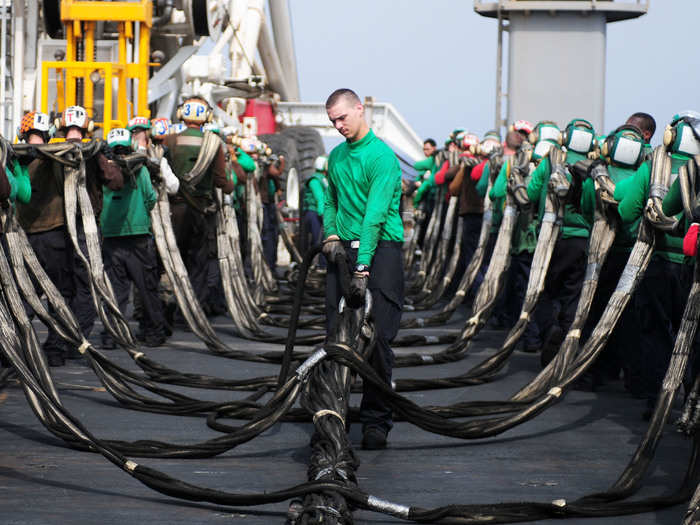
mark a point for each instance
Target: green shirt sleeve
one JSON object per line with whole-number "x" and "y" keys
{"x": 23, "y": 185}
{"x": 588, "y": 199}
{"x": 631, "y": 204}
{"x": 538, "y": 179}
{"x": 13, "y": 184}
{"x": 245, "y": 160}
{"x": 424, "y": 165}
{"x": 673, "y": 202}
{"x": 498, "y": 190}
{"x": 423, "y": 189}
{"x": 317, "y": 190}
{"x": 330, "y": 209}
{"x": 384, "y": 175}
{"x": 621, "y": 187}
{"x": 483, "y": 183}
{"x": 149, "y": 194}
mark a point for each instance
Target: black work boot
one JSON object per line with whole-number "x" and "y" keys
{"x": 373, "y": 438}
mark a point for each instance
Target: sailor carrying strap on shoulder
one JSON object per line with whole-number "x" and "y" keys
{"x": 210, "y": 144}
{"x": 209, "y": 147}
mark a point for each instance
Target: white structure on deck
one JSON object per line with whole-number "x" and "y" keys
{"x": 225, "y": 50}
{"x": 556, "y": 56}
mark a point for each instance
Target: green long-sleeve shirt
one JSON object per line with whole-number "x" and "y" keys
{"x": 20, "y": 185}
{"x": 525, "y": 233}
{"x": 577, "y": 223}
{"x": 632, "y": 196}
{"x": 363, "y": 194}
{"x": 627, "y": 234}
{"x": 314, "y": 193}
{"x": 428, "y": 186}
{"x": 245, "y": 160}
{"x": 483, "y": 183}
{"x": 126, "y": 211}
{"x": 424, "y": 165}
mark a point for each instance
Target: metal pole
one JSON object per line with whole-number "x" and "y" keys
{"x": 18, "y": 66}
{"x": 3, "y": 65}
{"x": 284, "y": 43}
{"x": 499, "y": 72}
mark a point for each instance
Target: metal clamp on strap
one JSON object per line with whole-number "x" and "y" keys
{"x": 574, "y": 334}
{"x": 591, "y": 271}
{"x": 554, "y": 392}
{"x": 657, "y": 191}
{"x": 626, "y": 281}
{"x": 327, "y": 412}
{"x": 312, "y": 360}
{"x": 549, "y": 216}
{"x": 83, "y": 346}
{"x": 388, "y": 507}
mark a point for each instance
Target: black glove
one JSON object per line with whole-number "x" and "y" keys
{"x": 28, "y": 157}
{"x": 598, "y": 168}
{"x": 358, "y": 287}
{"x": 334, "y": 251}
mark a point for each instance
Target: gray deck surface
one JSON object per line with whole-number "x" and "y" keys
{"x": 577, "y": 447}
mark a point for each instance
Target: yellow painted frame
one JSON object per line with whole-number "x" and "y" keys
{"x": 79, "y": 17}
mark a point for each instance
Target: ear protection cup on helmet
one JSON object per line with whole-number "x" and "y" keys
{"x": 669, "y": 135}
{"x": 552, "y": 132}
{"x": 193, "y": 113}
{"x": 624, "y": 146}
{"x": 567, "y": 135}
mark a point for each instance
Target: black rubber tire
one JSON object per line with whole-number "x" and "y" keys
{"x": 285, "y": 146}
{"x": 309, "y": 146}
{"x": 51, "y": 11}
{"x": 199, "y": 17}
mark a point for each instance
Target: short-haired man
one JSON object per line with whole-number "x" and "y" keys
{"x": 362, "y": 223}
{"x": 645, "y": 122}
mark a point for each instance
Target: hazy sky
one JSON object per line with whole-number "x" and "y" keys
{"x": 436, "y": 60}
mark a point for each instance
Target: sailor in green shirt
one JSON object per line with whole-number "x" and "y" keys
{"x": 662, "y": 292}
{"x": 426, "y": 169}
{"x": 428, "y": 188}
{"x": 545, "y": 135}
{"x": 624, "y": 153}
{"x": 364, "y": 229}
{"x": 314, "y": 195}
{"x": 568, "y": 264}
{"x": 500, "y": 318}
{"x": 129, "y": 249}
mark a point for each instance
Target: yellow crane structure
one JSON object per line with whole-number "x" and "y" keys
{"x": 76, "y": 77}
